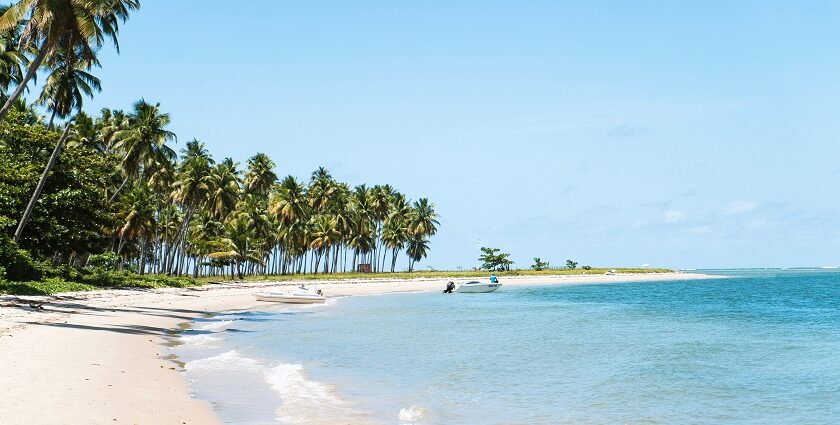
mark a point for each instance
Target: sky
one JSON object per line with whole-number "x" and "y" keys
{"x": 671, "y": 134}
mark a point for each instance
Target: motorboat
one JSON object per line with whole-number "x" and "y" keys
{"x": 301, "y": 295}
{"x": 474, "y": 287}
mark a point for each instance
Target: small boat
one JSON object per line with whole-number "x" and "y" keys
{"x": 474, "y": 287}
{"x": 301, "y": 295}
{"x": 610, "y": 272}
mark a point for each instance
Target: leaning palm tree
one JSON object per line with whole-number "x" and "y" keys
{"x": 143, "y": 144}
{"x": 78, "y": 26}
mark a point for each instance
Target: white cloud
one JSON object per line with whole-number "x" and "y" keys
{"x": 738, "y": 207}
{"x": 674, "y": 216}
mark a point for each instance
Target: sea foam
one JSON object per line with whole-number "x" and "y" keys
{"x": 199, "y": 339}
{"x": 411, "y": 414}
{"x": 305, "y": 401}
{"x": 227, "y": 361}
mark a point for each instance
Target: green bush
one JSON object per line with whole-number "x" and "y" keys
{"x": 107, "y": 261}
{"x": 17, "y": 263}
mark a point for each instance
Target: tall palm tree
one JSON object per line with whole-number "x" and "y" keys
{"x": 78, "y": 26}
{"x": 224, "y": 189}
{"x": 323, "y": 237}
{"x": 191, "y": 190}
{"x": 143, "y": 144}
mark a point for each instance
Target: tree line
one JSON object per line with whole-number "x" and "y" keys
{"x": 113, "y": 186}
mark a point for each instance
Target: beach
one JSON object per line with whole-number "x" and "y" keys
{"x": 100, "y": 357}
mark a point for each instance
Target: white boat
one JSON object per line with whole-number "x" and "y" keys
{"x": 474, "y": 287}
{"x": 301, "y": 295}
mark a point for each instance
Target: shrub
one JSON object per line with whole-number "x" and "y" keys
{"x": 17, "y": 263}
{"x": 107, "y": 261}
{"x": 587, "y": 267}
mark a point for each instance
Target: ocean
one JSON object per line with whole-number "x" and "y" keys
{"x": 756, "y": 347}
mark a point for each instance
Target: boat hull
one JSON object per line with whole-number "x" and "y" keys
{"x": 476, "y": 288}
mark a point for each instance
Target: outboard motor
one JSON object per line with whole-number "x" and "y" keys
{"x": 449, "y": 288}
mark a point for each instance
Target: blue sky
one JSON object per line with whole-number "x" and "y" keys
{"x": 613, "y": 133}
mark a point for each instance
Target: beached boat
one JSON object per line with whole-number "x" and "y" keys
{"x": 299, "y": 296}
{"x": 474, "y": 286}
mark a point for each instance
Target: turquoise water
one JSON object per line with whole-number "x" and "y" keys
{"x": 757, "y": 348}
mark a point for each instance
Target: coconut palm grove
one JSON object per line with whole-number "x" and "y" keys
{"x": 117, "y": 198}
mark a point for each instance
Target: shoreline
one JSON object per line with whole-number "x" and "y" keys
{"x": 100, "y": 357}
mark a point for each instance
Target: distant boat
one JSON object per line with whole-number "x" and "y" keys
{"x": 474, "y": 287}
{"x": 610, "y": 272}
{"x": 301, "y": 295}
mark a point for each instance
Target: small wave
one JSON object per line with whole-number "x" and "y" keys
{"x": 200, "y": 339}
{"x": 227, "y": 361}
{"x": 411, "y": 414}
{"x": 216, "y": 325}
{"x": 306, "y": 401}
{"x": 327, "y": 302}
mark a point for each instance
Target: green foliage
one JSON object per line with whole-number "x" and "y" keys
{"x": 587, "y": 267}
{"x": 69, "y": 216}
{"x": 17, "y": 264}
{"x": 494, "y": 259}
{"x": 107, "y": 260}
{"x": 44, "y": 287}
{"x": 539, "y": 264}
{"x": 571, "y": 265}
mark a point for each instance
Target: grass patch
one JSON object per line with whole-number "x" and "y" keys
{"x": 92, "y": 281}
{"x": 44, "y": 287}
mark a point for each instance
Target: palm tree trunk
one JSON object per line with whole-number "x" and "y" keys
{"x": 40, "y": 187}
{"x": 141, "y": 266}
{"x": 52, "y": 118}
{"x": 117, "y": 192}
{"x": 33, "y": 69}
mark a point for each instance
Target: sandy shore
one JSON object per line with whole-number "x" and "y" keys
{"x": 100, "y": 357}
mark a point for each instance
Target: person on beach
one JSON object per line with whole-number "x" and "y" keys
{"x": 493, "y": 279}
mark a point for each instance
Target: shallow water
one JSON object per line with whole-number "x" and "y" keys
{"x": 760, "y": 347}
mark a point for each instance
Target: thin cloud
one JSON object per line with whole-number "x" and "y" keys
{"x": 626, "y": 130}
{"x": 738, "y": 207}
{"x": 674, "y": 216}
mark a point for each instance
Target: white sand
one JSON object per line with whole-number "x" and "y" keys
{"x": 99, "y": 357}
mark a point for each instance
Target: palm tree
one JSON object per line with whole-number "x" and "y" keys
{"x": 66, "y": 86}
{"x": 224, "y": 189}
{"x": 192, "y": 186}
{"x": 260, "y": 176}
{"x": 12, "y": 60}
{"x": 237, "y": 245}
{"x": 143, "y": 144}
{"x": 138, "y": 220}
{"x": 418, "y": 247}
{"x": 78, "y": 26}
{"x": 424, "y": 220}
{"x": 323, "y": 237}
